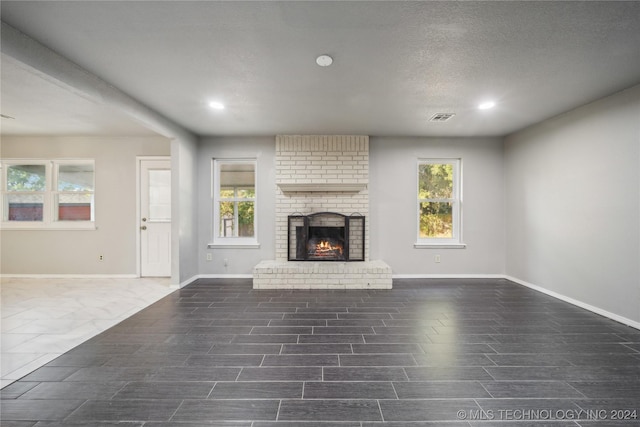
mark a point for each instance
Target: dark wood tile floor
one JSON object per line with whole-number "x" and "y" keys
{"x": 428, "y": 352}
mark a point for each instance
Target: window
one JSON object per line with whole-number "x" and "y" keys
{"x": 74, "y": 191}
{"x": 234, "y": 202}
{"x": 48, "y": 194}
{"x": 26, "y": 187}
{"x": 439, "y": 202}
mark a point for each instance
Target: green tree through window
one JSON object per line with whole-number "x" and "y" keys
{"x": 437, "y": 199}
{"x": 26, "y": 178}
{"x": 235, "y": 199}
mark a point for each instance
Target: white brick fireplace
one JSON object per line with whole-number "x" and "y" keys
{"x": 318, "y": 173}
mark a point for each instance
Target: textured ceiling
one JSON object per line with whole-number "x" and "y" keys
{"x": 39, "y": 106}
{"x": 395, "y": 63}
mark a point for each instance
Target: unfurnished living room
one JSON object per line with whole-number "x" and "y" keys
{"x": 320, "y": 213}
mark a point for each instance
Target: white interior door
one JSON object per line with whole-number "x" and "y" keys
{"x": 155, "y": 218}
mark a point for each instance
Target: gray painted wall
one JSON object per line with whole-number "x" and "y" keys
{"x": 573, "y": 205}
{"x": 392, "y": 208}
{"x": 184, "y": 227}
{"x": 240, "y": 261}
{"x": 76, "y": 252}
{"x": 393, "y": 205}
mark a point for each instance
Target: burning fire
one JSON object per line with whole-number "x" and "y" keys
{"x": 325, "y": 247}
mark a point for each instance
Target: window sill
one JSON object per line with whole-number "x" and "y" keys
{"x": 439, "y": 245}
{"x": 39, "y": 227}
{"x": 233, "y": 246}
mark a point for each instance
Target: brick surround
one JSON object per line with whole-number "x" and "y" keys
{"x": 322, "y": 161}
{"x": 318, "y": 173}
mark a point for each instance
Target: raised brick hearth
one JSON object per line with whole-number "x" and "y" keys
{"x": 322, "y": 275}
{"x": 317, "y": 173}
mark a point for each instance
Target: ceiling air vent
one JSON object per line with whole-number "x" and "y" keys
{"x": 441, "y": 117}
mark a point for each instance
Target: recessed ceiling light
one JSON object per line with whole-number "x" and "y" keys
{"x": 324, "y": 60}
{"x": 216, "y": 105}
{"x": 486, "y": 105}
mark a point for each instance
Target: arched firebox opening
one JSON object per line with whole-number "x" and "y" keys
{"x": 326, "y": 236}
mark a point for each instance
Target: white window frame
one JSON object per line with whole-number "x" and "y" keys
{"x": 236, "y": 241}
{"x": 456, "y": 200}
{"x": 50, "y": 204}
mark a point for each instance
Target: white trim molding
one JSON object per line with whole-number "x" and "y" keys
{"x": 71, "y": 276}
{"x": 232, "y": 246}
{"x": 448, "y": 276}
{"x": 214, "y": 276}
{"x": 589, "y": 307}
{"x": 225, "y": 276}
{"x": 440, "y": 245}
{"x": 572, "y": 301}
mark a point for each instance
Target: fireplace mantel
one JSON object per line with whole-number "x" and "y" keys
{"x": 295, "y": 187}
{"x": 321, "y": 173}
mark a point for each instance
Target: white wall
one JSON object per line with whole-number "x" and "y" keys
{"x": 240, "y": 261}
{"x": 50, "y": 252}
{"x": 393, "y": 205}
{"x": 573, "y": 205}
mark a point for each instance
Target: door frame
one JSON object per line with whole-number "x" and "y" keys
{"x": 139, "y": 160}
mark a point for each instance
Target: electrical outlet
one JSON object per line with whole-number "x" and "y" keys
{"x": 436, "y": 258}
{"x": 100, "y": 257}
{"x": 209, "y": 256}
{"x": 226, "y": 262}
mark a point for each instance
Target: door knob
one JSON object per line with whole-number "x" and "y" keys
{"x": 144, "y": 227}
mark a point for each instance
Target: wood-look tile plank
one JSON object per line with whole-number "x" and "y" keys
{"x": 349, "y": 390}
{"x": 221, "y": 354}
{"x": 133, "y": 410}
{"x": 426, "y": 410}
{"x": 287, "y": 373}
{"x": 329, "y": 410}
{"x": 227, "y": 410}
{"x": 257, "y": 390}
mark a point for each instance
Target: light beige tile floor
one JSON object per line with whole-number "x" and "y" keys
{"x": 44, "y": 318}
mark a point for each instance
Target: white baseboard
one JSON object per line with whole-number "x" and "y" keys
{"x": 189, "y": 281}
{"x": 225, "y": 276}
{"x": 214, "y": 276}
{"x": 70, "y": 276}
{"x": 577, "y": 303}
{"x": 448, "y": 276}
{"x": 553, "y": 294}
{"x": 589, "y": 307}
